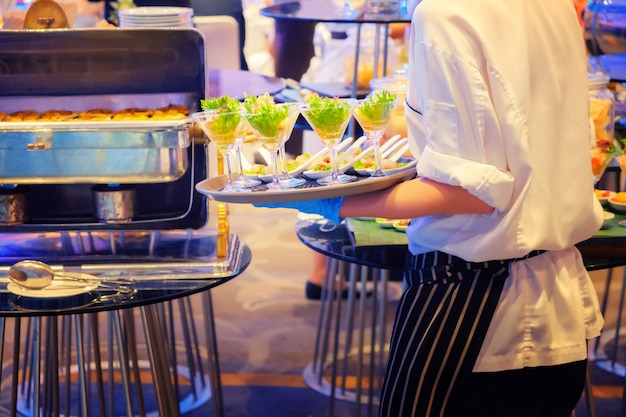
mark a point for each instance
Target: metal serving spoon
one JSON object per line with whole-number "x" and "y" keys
{"x": 36, "y": 275}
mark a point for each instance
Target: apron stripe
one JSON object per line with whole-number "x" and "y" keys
{"x": 439, "y": 329}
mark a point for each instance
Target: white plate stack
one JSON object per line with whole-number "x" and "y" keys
{"x": 156, "y": 17}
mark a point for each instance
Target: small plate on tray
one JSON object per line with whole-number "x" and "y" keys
{"x": 348, "y": 166}
{"x": 409, "y": 164}
{"x": 346, "y": 143}
{"x": 212, "y": 187}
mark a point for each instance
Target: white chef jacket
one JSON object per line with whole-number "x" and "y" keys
{"x": 498, "y": 104}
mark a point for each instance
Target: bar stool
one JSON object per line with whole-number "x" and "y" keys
{"x": 352, "y": 337}
{"x": 132, "y": 362}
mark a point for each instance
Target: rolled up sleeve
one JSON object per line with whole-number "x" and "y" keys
{"x": 490, "y": 184}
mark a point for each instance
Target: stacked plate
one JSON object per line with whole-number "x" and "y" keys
{"x": 156, "y": 16}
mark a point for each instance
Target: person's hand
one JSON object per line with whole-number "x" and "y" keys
{"x": 327, "y": 207}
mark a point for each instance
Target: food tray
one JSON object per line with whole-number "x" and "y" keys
{"x": 96, "y": 152}
{"x": 212, "y": 187}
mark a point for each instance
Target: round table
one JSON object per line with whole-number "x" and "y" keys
{"x": 325, "y": 11}
{"x": 355, "y": 245}
{"x": 92, "y": 353}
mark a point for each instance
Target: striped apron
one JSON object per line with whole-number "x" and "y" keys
{"x": 439, "y": 329}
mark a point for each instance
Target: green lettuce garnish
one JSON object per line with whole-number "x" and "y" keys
{"x": 378, "y": 105}
{"x": 264, "y": 115}
{"x": 228, "y": 109}
{"x": 327, "y": 114}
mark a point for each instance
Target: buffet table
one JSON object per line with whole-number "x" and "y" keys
{"x": 86, "y": 355}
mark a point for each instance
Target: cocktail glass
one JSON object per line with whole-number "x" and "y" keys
{"x": 373, "y": 114}
{"x": 222, "y": 128}
{"x": 242, "y": 180}
{"x": 272, "y": 123}
{"x": 329, "y": 117}
{"x": 601, "y": 157}
{"x": 285, "y": 179}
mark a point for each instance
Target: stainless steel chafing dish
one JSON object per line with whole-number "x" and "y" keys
{"x": 97, "y": 152}
{"x": 56, "y": 166}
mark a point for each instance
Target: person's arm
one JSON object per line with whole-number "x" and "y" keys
{"x": 415, "y": 198}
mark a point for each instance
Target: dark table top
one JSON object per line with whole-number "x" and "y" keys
{"x": 364, "y": 243}
{"x": 322, "y": 11}
{"x": 237, "y": 82}
{"x": 171, "y": 265}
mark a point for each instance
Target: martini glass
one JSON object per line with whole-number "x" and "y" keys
{"x": 222, "y": 128}
{"x": 329, "y": 117}
{"x": 285, "y": 179}
{"x": 373, "y": 114}
{"x": 272, "y": 123}
{"x": 242, "y": 180}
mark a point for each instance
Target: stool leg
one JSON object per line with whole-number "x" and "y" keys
{"x": 323, "y": 332}
{"x": 382, "y": 344}
{"x": 66, "y": 358}
{"x": 335, "y": 297}
{"x": 80, "y": 362}
{"x": 186, "y": 328}
{"x": 361, "y": 341}
{"x": 128, "y": 351}
{"x": 353, "y": 276}
{"x": 121, "y": 345}
{"x": 2, "y": 334}
{"x": 158, "y": 355}
{"x": 194, "y": 342}
{"x": 16, "y": 368}
{"x": 213, "y": 363}
{"x": 97, "y": 361}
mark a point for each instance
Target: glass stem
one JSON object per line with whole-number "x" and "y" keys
{"x": 283, "y": 164}
{"x": 229, "y": 171}
{"x": 334, "y": 175}
{"x": 377, "y": 155}
{"x": 275, "y": 167}
{"x": 239, "y": 160}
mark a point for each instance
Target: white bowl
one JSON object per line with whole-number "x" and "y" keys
{"x": 400, "y": 225}
{"x": 316, "y": 175}
{"x": 385, "y": 223}
{"x": 608, "y": 216}
{"x": 617, "y": 207}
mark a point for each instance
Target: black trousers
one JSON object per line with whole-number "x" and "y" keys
{"x": 439, "y": 330}
{"x": 551, "y": 391}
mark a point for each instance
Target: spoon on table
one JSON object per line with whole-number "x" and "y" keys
{"x": 36, "y": 275}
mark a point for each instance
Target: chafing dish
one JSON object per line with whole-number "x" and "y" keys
{"x": 58, "y": 165}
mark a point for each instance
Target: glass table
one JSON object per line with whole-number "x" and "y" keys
{"x": 324, "y": 11}
{"x": 364, "y": 252}
{"x": 106, "y": 351}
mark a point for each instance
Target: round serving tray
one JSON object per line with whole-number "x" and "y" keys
{"x": 212, "y": 187}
